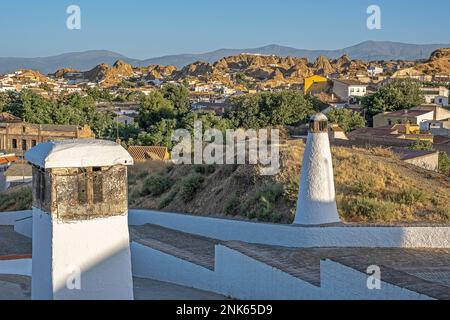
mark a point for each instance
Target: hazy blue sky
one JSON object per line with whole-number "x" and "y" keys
{"x": 149, "y": 28}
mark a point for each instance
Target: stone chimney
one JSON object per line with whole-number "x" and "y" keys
{"x": 80, "y": 221}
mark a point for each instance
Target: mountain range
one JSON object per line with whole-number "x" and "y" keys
{"x": 367, "y": 51}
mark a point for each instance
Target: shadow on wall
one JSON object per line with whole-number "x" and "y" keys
{"x": 97, "y": 278}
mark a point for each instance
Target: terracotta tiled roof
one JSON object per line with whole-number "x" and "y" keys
{"x": 142, "y": 153}
{"x": 19, "y": 170}
{"x": 7, "y": 117}
{"x": 8, "y": 159}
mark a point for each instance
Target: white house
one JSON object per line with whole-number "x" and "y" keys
{"x": 346, "y": 89}
{"x": 438, "y": 95}
{"x": 374, "y": 71}
{"x": 7, "y": 87}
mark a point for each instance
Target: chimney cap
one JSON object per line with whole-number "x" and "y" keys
{"x": 319, "y": 117}
{"x": 78, "y": 153}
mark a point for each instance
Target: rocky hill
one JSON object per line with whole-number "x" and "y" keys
{"x": 261, "y": 71}
{"x": 439, "y": 62}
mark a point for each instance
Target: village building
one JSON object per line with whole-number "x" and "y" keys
{"x": 346, "y": 89}
{"x": 18, "y": 137}
{"x": 436, "y": 95}
{"x": 315, "y": 84}
{"x": 413, "y": 117}
{"x": 6, "y": 160}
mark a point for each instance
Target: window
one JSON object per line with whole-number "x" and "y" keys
{"x": 24, "y": 129}
{"x": 33, "y": 143}
{"x": 389, "y": 122}
{"x": 14, "y": 143}
{"x": 24, "y": 145}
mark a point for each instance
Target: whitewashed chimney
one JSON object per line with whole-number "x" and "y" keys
{"x": 317, "y": 199}
{"x": 81, "y": 244}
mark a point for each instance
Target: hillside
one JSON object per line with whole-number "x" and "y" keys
{"x": 439, "y": 62}
{"x": 373, "y": 186}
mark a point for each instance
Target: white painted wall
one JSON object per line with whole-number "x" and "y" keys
{"x": 317, "y": 198}
{"x": 343, "y": 283}
{"x": 42, "y": 280}
{"x": 24, "y": 227}
{"x": 154, "y": 264}
{"x": 239, "y": 276}
{"x": 296, "y": 236}
{"x": 20, "y": 267}
{"x": 98, "y": 248}
{"x": 9, "y": 218}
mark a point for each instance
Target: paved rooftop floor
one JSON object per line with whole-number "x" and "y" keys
{"x": 19, "y": 288}
{"x": 421, "y": 270}
{"x": 12, "y": 243}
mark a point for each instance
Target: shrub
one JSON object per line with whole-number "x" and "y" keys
{"x": 365, "y": 188}
{"x": 231, "y": 206}
{"x": 444, "y": 212}
{"x": 410, "y": 196}
{"x": 132, "y": 180}
{"x": 204, "y": 169}
{"x": 371, "y": 210}
{"x": 134, "y": 196}
{"x": 156, "y": 185}
{"x": 444, "y": 163}
{"x": 142, "y": 175}
{"x": 17, "y": 200}
{"x": 167, "y": 200}
{"x": 189, "y": 186}
{"x": 270, "y": 192}
{"x": 421, "y": 145}
{"x": 261, "y": 205}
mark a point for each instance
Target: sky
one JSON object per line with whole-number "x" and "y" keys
{"x": 144, "y": 29}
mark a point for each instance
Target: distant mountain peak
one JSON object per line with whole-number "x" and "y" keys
{"x": 86, "y": 60}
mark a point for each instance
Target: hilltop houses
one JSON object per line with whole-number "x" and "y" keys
{"x": 346, "y": 89}
{"x": 436, "y": 95}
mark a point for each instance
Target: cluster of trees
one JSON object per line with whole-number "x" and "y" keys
{"x": 397, "y": 95}
{"x": 65, "y": 110}
{"x": 270, "y": 109}
{"x": 346, "y": 119}
{"x": 163, "y": 111}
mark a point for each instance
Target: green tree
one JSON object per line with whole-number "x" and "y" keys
{"x": 346, "y": 119}
{"x": 99, "y": 94}
{"x": 397, "y": 95}
{"x": 179, "y": 96}
{"x": 270, "y": 109}
{"x": 154, "y": 108}
{"x": 159, "y": 134}
{"x": 208, "y": 119}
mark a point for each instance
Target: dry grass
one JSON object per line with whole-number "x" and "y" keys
{"x": 372, "y": 186}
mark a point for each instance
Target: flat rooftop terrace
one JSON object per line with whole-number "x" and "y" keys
{"x": 425, "y": 271}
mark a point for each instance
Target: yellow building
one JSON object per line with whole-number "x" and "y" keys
{"x": 315, "y": 84}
